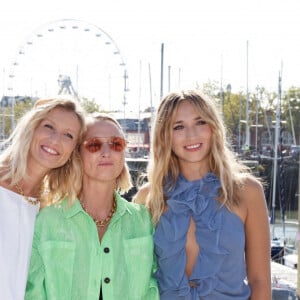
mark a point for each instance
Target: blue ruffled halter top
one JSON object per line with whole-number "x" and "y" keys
{"x": 220, "y": 271}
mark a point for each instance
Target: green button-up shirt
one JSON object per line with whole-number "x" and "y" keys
{"x": 69, "y": 262}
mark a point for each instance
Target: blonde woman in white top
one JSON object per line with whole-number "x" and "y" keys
{"x": 39, "y": 165}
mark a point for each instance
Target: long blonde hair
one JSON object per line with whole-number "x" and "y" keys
{"x": 164, "y": 163}
{"x": 58, "y": 182}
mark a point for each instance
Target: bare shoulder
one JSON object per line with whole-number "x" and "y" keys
{"x": 252, "y": 193}
{"x": 251, "y": 198}
{"x": 141, "y": 195}
{"x": 252, "y": 187}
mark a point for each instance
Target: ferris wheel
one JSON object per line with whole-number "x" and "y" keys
{"x": 70, "y": 56}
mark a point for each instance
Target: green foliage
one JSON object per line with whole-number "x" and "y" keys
{"x": 290, "y": 111}
{"x": 10, "y": 116}
{"x": 210, "y": 88}
{"x": 90, "y": 106}
{"x": 21, "y": 108}
{"x": 262, "y": 105}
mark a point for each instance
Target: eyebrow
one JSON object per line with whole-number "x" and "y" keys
{"x": 53, "y": 121}
{"x": 195, "y": 119}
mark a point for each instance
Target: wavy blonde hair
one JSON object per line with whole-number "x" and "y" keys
{"x": 164, "y": 164}
{"x": 123, "y": 181}
{"x": 58, "y": 182}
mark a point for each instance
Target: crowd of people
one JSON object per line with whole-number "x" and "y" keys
{"x": 197, "y": 229}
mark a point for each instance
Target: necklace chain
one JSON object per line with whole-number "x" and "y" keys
{"x": 21, "y": 192}
{"x": 102, "y": 223}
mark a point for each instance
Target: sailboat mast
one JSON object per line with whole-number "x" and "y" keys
{"x": 247, "y": 141}
{"x": 162, "y": 71}
{"x": 276, "y": 140}
{"x": 221, "y": 87}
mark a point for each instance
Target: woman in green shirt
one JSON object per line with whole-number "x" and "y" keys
{"x": 101, "y": 246}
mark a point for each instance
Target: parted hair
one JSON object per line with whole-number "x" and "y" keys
{"x": 164, "y": 164}
{"x": 123, "y": 182}
{"x": 59, "y": 182}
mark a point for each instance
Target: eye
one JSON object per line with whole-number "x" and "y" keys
{"x": 49, "y": 126}
{"x": 178, "y": 127}
{"x": 69, "y": 135}
{"x": 201, "y": 122}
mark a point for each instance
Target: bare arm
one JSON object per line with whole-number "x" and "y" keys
{"x": 257, "y": 232}
{"x": 141, "y": 195}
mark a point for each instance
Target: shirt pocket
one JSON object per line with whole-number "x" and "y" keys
{"x": 58, "y": 260}
{"x": 139, "y": 263}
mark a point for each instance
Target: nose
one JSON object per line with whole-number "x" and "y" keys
{"x": 55, "y": 136}
{"x": 105, "y": 150}
{"x": 192, "y": 131}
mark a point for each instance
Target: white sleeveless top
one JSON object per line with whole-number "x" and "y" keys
{"x": 17, "y": 218}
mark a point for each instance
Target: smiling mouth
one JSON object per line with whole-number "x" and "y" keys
{"x": 49, "y": 150}
{"x": 192, "y": 147}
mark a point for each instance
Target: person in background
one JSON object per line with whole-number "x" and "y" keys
{"x": 38, "y": 164}
{"x": 100, "y": 246}
{"x": 212, "y": 231}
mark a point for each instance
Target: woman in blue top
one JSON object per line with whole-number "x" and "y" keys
{"x": 212, "y": 234}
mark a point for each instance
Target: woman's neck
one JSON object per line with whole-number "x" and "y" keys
{"x": 97, "y": 197}
{"x": 194, "y": 172}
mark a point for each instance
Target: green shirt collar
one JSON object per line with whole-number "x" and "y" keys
{"x": 69, "y": 212}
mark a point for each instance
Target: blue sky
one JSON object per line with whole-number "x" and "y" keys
{"x": 203, "y": 40}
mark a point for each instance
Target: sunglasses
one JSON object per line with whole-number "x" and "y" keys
{"x": 95, "y": 144}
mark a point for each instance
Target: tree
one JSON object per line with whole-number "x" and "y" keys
{"x": 291, "y": 111}
{"x": 90, "y": 106}
{"x": 9, "y": 116}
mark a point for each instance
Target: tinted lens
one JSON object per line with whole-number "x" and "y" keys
{"x": 117, "y": 144}
{"x": 95, "y": 144}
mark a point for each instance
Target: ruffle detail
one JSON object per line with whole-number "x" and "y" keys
{"x": 196, "y": 199}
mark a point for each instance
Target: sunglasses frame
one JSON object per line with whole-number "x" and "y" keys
{"x": 94, "y": 144}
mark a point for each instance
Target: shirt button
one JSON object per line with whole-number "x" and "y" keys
{"x": 106, "y": 250}
{"x": 106, "y": 280}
